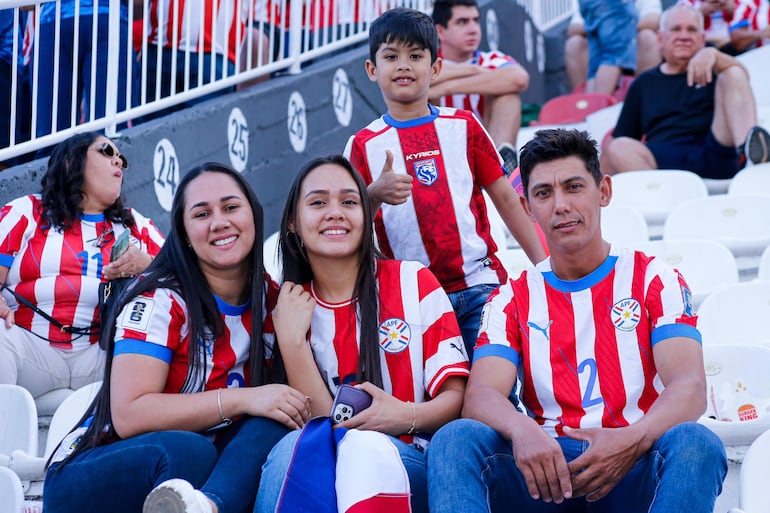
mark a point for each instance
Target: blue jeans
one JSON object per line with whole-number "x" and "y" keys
{"x": 117, "y": 477}
{"x": 277, "y": 466}
{"x": 467, "y": 305}
{"x": 471, "y": 468}
{"x": 611, "y": 29}
{"x": 81, "y": 66}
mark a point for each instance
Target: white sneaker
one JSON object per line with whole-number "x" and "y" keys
{"x": 176, "y": 496}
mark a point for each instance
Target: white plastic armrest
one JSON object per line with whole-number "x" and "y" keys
{"x": 28, "y": 468}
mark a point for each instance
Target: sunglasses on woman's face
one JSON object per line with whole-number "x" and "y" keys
{"x": 109, "y": 151}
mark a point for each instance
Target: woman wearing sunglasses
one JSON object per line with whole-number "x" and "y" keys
{"x": 55, "y": 249}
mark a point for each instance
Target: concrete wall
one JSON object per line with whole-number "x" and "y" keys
{"x": 270, "y": 130}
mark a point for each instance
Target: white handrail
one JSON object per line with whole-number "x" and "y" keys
{"x": 316, "y": 28}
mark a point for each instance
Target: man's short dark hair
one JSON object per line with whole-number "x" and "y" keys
{"x": 558, "y": 143}
{"x": 442, "y": 10}
{"x": 405, "y": 26}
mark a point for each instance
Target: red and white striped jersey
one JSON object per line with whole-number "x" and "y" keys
{"x": 157, "y": 324}
{"x": 60, "y": 272}
{"x": 583, "y": 349}
{"x": 475, "y": 102}
{"x": 754, "y": 15}
{"x": 718, "y": 24}
{"x": 198, "y": 25}
{"x": 444, "y": 223}
{"x": 420, "y": 340}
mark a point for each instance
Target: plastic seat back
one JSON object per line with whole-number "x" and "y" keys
{"x": 11, "y": 492}
{"x": 740, "y": 222}
{"x": 754, "y": 495}
{"x": 656, "y": 192}
{"x": 271, "y": 257}
{"x": 18, "y": 420}
{"x": 68, "y": 414}
{"x": 515, "y": 260}
{"x": 751, "y": 180}
{"x": 736, "y": 314}
{"x": 764, "y": 265}
{"x": 624, "y": 227}
{"x": 573, "y": 108}
{"x": 738, "y": 392}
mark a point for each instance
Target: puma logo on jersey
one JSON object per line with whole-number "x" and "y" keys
{"x": 544, "y": 330}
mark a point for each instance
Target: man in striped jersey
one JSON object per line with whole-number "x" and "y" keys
{"x": 487, "y": 83}
{"x": 605, "y": 343}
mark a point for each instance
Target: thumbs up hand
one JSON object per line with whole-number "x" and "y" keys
{"x": 391, "y": 187}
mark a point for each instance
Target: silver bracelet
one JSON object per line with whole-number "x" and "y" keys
{"x": 225, "y": 420}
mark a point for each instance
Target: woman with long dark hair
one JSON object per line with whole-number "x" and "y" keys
{"x": 56, "y": 247}
{"x": 345, "y": 314}
{"x": 189, "y": 408}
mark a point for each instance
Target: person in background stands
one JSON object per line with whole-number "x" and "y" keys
{"x": 489, "y": 84}
{"x": 706, "y": 121}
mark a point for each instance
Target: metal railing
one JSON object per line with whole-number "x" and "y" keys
{"x": 245, "y": 40}
{"x": 546, "y": 14}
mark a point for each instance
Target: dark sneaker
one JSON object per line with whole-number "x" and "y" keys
{"x": 176, "y": 496}
{"x": 757, "y": 147}
{"x": 510, "y": 157}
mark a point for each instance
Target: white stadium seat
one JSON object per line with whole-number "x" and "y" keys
{"x": 11, "y": 493}
{"x": 751, "y": 180}
{"x": 705, "y": 264}
{"x": 754, "y": 493}
{"x": 655, "y": 193}
{"x": 624, "y": 227}
{"x": 18, "y": 422}
{"x": 272, "y": 260}
{"x": 739, "y": 222}
{"x": 764, "y": 265}
{"x": 738, "y": 392}
{"x": 514, "y": 260}
{"x": 736, "y": 314}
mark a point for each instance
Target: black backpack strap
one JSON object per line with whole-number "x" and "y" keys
{"x": 93, "y": 329}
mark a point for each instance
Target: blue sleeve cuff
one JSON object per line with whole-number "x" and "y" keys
{"x": 134, "y": 346}
{"x": 738, "y": 25}
{"x": 6, "y": 260}
{"x": 506, "y": 352}
{"x": 675, "y": 330}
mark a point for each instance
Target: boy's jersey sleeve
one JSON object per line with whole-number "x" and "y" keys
{"x": 355, "y": 152}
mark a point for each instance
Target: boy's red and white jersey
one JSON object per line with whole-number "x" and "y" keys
{"x": 157, "y": 324}
{"x": 198, "y": 25}
{"x": 444, "y": 223}
{"x": 583, "y": 349}
{"x": 475, "y": 102}
{"x": 420, "y": 341}
{"x": 60, "y": 271}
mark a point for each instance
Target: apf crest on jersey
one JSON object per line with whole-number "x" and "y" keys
{"x": 626, "y": 314}
{"x": 426, "y": 171}
{"x": 394, "y": 335}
